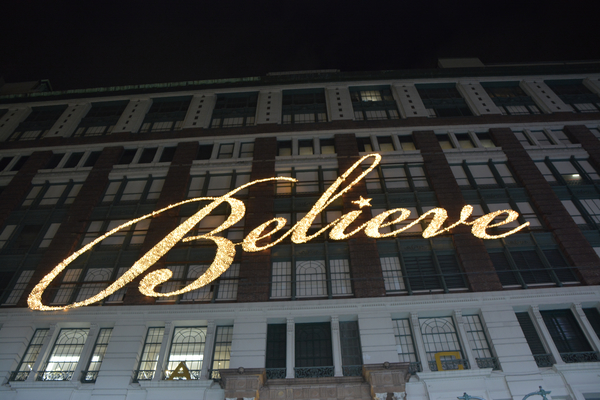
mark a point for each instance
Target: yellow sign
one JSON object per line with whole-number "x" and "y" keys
{"x": 438, "y": 359}
{"x": 226, "y": 248}
{"x": 181, "y": 371}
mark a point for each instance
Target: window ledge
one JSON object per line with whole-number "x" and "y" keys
{"x": 176, "y": 383}
{"x": 485, "y": 372}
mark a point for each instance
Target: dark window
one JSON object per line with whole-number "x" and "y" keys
{"x": 313, "y": 347}
{"x": 304, "y": 106}
{"x": 27, "y": 237}
{"x": 92, "y": 158}
{"x": 147, "y": 155}
{"x": 73, "y": 160}
{"x": 593, "y": 316}
{"x": 464, "y": 141}
{"x": 364, "y": 144}
{"x": 20, "y": 162}
{"x": 167, "y": 154}
{"x": 127, "y": 156}
{"x": 542, "y": 357}
{"x": 37, "y": 123}
{"x": 443, "y": 100}
{"x": 568, "y": 337}
{"x": 234, "y": 110}
{"x": 373, "y": 103}
{"x": 574, "y": 93}
{"x": 166, "y": 114}
{"x": 305, "y": 147}
{"x": 54, "y": 161}
{"x": 407, "y": 142}
{"x": 204, "y": 152}
{"x": 385, "y": 143}
{"x": 4, "y": 162}
{"x": 101, "y": 118}
{"x": 284, "y": 148}
{"x": 510, "y": 98}
{"x": 327, "y": 146}
{"x": 445, "y": 142}
{"x": 485, "y": 139}
{"x": 351, "y": 350}
{"x": 276, "y": 347}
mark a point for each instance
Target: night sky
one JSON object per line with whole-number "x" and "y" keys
{"x": 82, "y": 44}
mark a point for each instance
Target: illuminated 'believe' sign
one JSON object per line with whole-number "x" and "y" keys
{"x": 226, "y": 248}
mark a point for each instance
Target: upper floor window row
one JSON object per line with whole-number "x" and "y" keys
{"x": 510, "y": 98}
{"x": 574, "y": 93}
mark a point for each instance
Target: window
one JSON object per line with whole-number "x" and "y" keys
{"x": 101, "y": 119}
{"x": 284, "y": 147}
{"x": 246, "y": 150}
{"x": 445, "y": 142}
{"x": 222, "y": 352}
{"x": 30, "y": 356}
{"x": 18, "y": 288}
{"x": 64, "y": 355}
{"x": 133, "y": 190}
{"x": 54, "y": 161}
{"x": 222, "y": 289}
{"x": 485, "y": 139}
{"x": 568, "y": 337}
{"x": 510, "y": 98}
{"x": 147, "y": 155}
{"x": 217, "y": 185}
{"x": 523, "y": 138}
{"x": 571, "y": 172}
{"x": 304, "y": 106}
{"x": 92, "y": 158}
{"x": 73, "y": 160}
{"x": 313, "y": 350}
{"x": 593, "y": 317}
{"x": 464, "y": 141}
{"x": 562, "y": 137}
{"x": 305, "y": 147}
{"x": 443, "y": 100}
{"x": 204, "y": 152}
{"x": 483, "y": 176}
{"x": 309, "y": 181}
{"x": 390, "y": 178}
{"x": 385, "y": 143}
{"x": 28, "y": 237}
{"x": 407, "y": 143}
{"x": 166, "y": 114}
{"x": 541, "y": 356}
{"x": 276, "y": 351}
{"x": 351, "y": 350}
{"x": 149, "y": 359}
{"x": 523, "y": 267}
{"x": 187, "y": 347}
{"x": 574, "y": 93}
{"x": 425, "y": 271}
{"x": 167, "y": 154}
{"x": 131, "y": 235}
{"x": 479, "y": 342}
{"x": 373, "y": 103}
{"x": 4, "y": 161}
{"x": 405, "y": 344}
{"x": 327, "y": 146}
{"x": 91, "y": 374}
{"x": 19, "y": 164}
{"x": 364, "y": 144}
{"x": 38, "y": 123}
{"x": 542, "y": 138}
{"x": 52, "y": 194}
{"x": 234, "y": 110}
{"x": 442, "y": 346}
{"x": 225, "y": 151}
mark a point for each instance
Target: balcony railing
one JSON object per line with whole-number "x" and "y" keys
{"x": 352, "y": 370}
{"x": 448, "y": 365}
{"x": 414, "y": 367}
{"x": 143, "y": 375}
{"x": 194, "y": 374}
{"x": 89, "y": 376}
{"x": 214, "y": 374}
{"x": 544, "y": 360}
{"x": 18, "y": 376}
{"x": 488, "y": 362}
{"x": 313, "y": 372}
{"x": 276, "y": 373}
{"x": 54, "y": 375}
{"x": 583, "y": 356}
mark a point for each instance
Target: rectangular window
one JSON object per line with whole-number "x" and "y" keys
{"x": 510, "y": 98}
{"x": 568, "y": 337}
{"x": 442, "y": 346}
{"x": 222, "y": 351}
{"x": 149, "y": 359}
{"x": 407, "y": 143}
{"x": 485, "y": 139}
{"x": 101, "y": 119}
{"x": 313, "y": 350}
{"x": 574, "y": 93}
{"x": 304, "y": 106}
{"x": 64, "y": 356}
{"x": 91, "y": 374}
{"x": 392, "y": 274}
{"x": 73, "y": 160}
{"x": 305, "y": 147}
{"x": 445, "y": 142}
{"x": 19, "y": 288}
{"x": 225, "y": 151}
{"x": 541, "y": 356}
{"x": 385, "y": 143}
{"x": 523, "y": 138}
{"x": 204, "y": 152}
{"x": 30, "y": 356}
{"x": 52, "y": 194}
{"x": 351, "y": 350}
{"x": 276, "y": 351}
{"x": 246, "y": 150}
{"x": 373, "y": 103}
{"x": 37, "y": 123}
{"x": 133, "y": 190}
{"x": 187, "y": 349}
{"x": 443, "y": 100}
{"x": 327, "y": 146}
{"x": 132, "y": 235}
{"x": 167, "y": 154}
{"x": 593, "y": 317}
{"x": 405, "y": 344}
{"x": 4, "y": 161}
{"x": 464, "y": 141}
{"x": 234, "y": 110}
{"x": 166, "y": 114}
{"x": 147, "y": 155}
{"x": 364, "y": 144}
{"x": 542, "y": 138}
{"x": 284, "y": 147}
{"x": 479, "y": 342}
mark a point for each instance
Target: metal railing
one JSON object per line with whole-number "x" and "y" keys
{"x": 18, "y": 376}
{"x": 582, "y": 356}
{"x": 143, "y": 375}
{"x": 313, "y": 372}
{"x": 214, "y": 374}
{"x": 54, "y": 375}
{"x": 89, "y": 376}
{"x": 352, "y": 370}
{"x": 488, "y": 362}
{"x": 276, "y": 373}
{"x": 544, "y": 360}
{"x": 448, "y": 365}
{"x": 414, "y": 367}
{"x": 194, "y": 374}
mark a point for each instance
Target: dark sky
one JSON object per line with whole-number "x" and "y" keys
{"x": 79, "y": 44}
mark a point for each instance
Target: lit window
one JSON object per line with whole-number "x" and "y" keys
{"x": 98, "y": 353}
{"x": 64, "y": 356}
{"x": 373, "y": 103}
{"x": 234, "y": 110}
{"x": 442, "y": 346}
{"x": 222, "y": 351}
{"x": 405, "y": 344}
{"x": 149, "y": 359}
{"x": 187, "y": 348}
{"x": 304, "y": 106}
{"x": 30, "y": 357}
{"x": 166, "y": 114}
